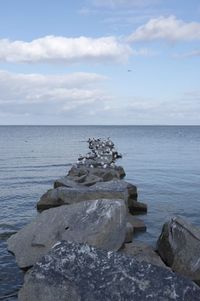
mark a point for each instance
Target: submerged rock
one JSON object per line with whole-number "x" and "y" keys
{"x": 179, "y": 246}
{"x": 66, "y": 195}
{"x": 79, "y": 272}
{"x": 101, "y": 223}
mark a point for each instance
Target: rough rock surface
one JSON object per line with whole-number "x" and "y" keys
{"x": 179, "y": 246}
{"x": 78, "y": 272}
{"x": 65, "y": 195}
{"x": 101, "y": 223}
{"x": 142, "y": 252}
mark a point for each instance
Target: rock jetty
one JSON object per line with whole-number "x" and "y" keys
{"x": 81, "y": 244}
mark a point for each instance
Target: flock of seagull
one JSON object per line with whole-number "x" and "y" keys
{"x": 102, "y": 154}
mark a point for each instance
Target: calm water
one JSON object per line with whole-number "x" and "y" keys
{"x": 162, "y": 161}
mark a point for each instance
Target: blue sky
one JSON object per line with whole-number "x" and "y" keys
{"x": 100, "y": 62}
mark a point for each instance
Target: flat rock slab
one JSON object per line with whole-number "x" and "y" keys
{"x": 65, "y": 195}
{"x": 78, "y": 272}
{"x": 142, "y": 252}
{"x": 101, "y": 223}
{"x": 179, "y": 246}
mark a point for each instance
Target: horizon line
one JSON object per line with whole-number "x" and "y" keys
{"x": 99, "y": 125}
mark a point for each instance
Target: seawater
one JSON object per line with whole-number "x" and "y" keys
{"x": 162, "y": 161}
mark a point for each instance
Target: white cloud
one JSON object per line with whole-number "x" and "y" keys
{"x": 63, "y": 49}
{"x": 123, "y": 3}
{"x": 167, "y": 28}
{"x": 55, "y": 92}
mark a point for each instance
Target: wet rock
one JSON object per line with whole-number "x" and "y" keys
{"x": 137, "y": 224}
{"x": 78, "y": 272}
{"x": 179, "y": 246}
{"x": 142, "y": 252}
{"x": 101, "y": 223}
{"x": 65, "y": 195}
{"x": 136, "y": 207}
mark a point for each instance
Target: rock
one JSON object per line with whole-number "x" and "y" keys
{"x": 137, "y": 224}
{"x": 89, "y": 180}
{"x": 121, "y": 171}
{"x": 65, "y": 182}
{"x": 136, "y": 207}
{"x": 129, "y": 233}
{"x": 76, "y": 272}
{"x": 179, "y": 246}
{"x": 106, "y": 174}
{"x": 65, "y": 195}
{"x": 142, "y": 252}
{"x": 77, "y": 171}
{"x": 101, "y": 223}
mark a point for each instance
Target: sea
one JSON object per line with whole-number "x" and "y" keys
{"x": 162, "y": 161}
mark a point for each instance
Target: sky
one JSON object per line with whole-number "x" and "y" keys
{"x": 106, "y": 62}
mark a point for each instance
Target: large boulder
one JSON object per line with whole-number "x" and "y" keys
{"x": 79, "y": 272}
{"x": 65, "y": 195}
{"x": 100, "y": 222}
{"x": 179, "y": 246}
{"x": 142, "y": 252}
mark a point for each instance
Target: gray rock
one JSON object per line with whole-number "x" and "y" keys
{"x": 179, "y": 246}
{"x": 65, "y": 195}
{"x": 142, "y": 252}
{"x": 78, "y": 171}
{"x": 106, "y": 174}
{"x": 78, "y": 272}
{"x": 136, "y": 207}
{"x": 121, "y": 171}
{"x": 101, "y": 223}
{"x": 137, "y": 224}
{"x": 89, "y": 180}
{"x": 65, "y": 182}
{"x": 129, "y": 233}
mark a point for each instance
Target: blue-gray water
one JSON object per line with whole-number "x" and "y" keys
{"x": 163, "y": 161}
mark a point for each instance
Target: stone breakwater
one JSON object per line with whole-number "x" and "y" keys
{"x": 81, "y": 245}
